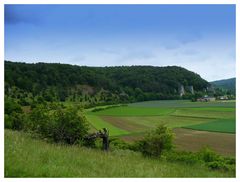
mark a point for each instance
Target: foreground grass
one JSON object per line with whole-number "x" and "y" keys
{"x": 27, "y": 157}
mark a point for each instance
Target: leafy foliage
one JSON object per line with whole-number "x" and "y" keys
{"x": 60, "y": 124}
{"x": 157, "y": 141}
{"x": 13, "y": 115}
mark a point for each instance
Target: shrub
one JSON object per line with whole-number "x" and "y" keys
{"x": 157, "y": 141}
{"x": 208, "y": 155}
{"x": 7, "y": 121}
{"x": 13, "y": 116}
{"x": 58, "y": 123}
{"x": 217, "y": 165}
{"x": 68, "y": 125}
{"x": 15, "y": 121}
{"x": 215, "y": 161}
{"x": 10, "y": 106}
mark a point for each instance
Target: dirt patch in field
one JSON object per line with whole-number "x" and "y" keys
{"x": 193, "y": 140}
{"x": 132, "y": 138}
{"x": 124, "y": 124}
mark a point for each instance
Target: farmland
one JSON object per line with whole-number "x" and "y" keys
{"x": 131, "y": 121}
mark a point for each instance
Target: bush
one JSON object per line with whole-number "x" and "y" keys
{"x": 10, "y": 106}
{"x": 215, "y": 161}
{"x": 15, "y": 121}
{"x": 58, "y": 123}
{"x": 217, "y": 165}
{"x": 208, "y": 155}
{"x": 157, "y": 141}
{"x": 68, "y": 126}
{"x": 13, "y": 116}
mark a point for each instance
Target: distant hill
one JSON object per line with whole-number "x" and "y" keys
{"x": 129, "y": 83}
{"x": 226, "y": 84}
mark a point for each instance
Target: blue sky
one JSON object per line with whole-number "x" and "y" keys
{"x": 200, "y": 38}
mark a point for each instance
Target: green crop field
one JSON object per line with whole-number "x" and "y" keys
{"x": 224, "y": 125}
{"x": 98, "y": 123}
{"x": 170, "y": 121}
{"x": 135, "y": 117}
{"x": 205, "y": 113}
{"x": 183, "y": 103}
{"x": 133, "y": 111}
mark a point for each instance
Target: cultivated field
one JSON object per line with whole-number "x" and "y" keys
{"x": 216, "y": 121}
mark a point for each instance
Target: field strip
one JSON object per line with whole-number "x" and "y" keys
{"x": 215, "y": 131}
{"x": 98, "y": 124}
{"x": 187, "y": 116}
{"x": 194, "y": 140}
{"x": 124, "y": 124}
{"x": 222, "y": 126}
{"x": 133, "y": 111}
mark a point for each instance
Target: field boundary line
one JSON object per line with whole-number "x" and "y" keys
{"x": 185, "y": 127}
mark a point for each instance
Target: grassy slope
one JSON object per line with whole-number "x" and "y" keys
{"x": 26, "y": 157}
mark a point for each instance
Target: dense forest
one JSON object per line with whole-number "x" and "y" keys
{"x": 228, "y": 85}
{"x": 96, "y": 85}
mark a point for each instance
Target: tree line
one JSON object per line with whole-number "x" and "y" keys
{"x": 61, "y": 82}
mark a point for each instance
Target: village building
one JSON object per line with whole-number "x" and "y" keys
{"x": 206, "y": 98}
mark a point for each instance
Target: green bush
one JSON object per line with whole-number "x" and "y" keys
{"x": 217, "y": 165}
{"x": 208, "y": 155}
{"x": 15, "y": 121}
{"x": 215, "y": 161}
{"x": 10, "y": 106}
{"x": 7, "y": 121}
{"x": 13, "y": 116}
{"x": 156, "y": 141}
{"x": 68, "y": 125}
{"x": 59, "y": 124}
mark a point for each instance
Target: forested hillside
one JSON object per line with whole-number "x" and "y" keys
{"x": 63, "y": 82}
{"x": 226, "y": 84}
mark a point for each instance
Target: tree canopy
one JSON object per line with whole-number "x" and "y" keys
{"x": 55, "y": 81}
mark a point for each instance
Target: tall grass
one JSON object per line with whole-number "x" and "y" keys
{"x": 27, "y": 157}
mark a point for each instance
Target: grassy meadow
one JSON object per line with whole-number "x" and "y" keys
{"x": 28, "y": 157}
